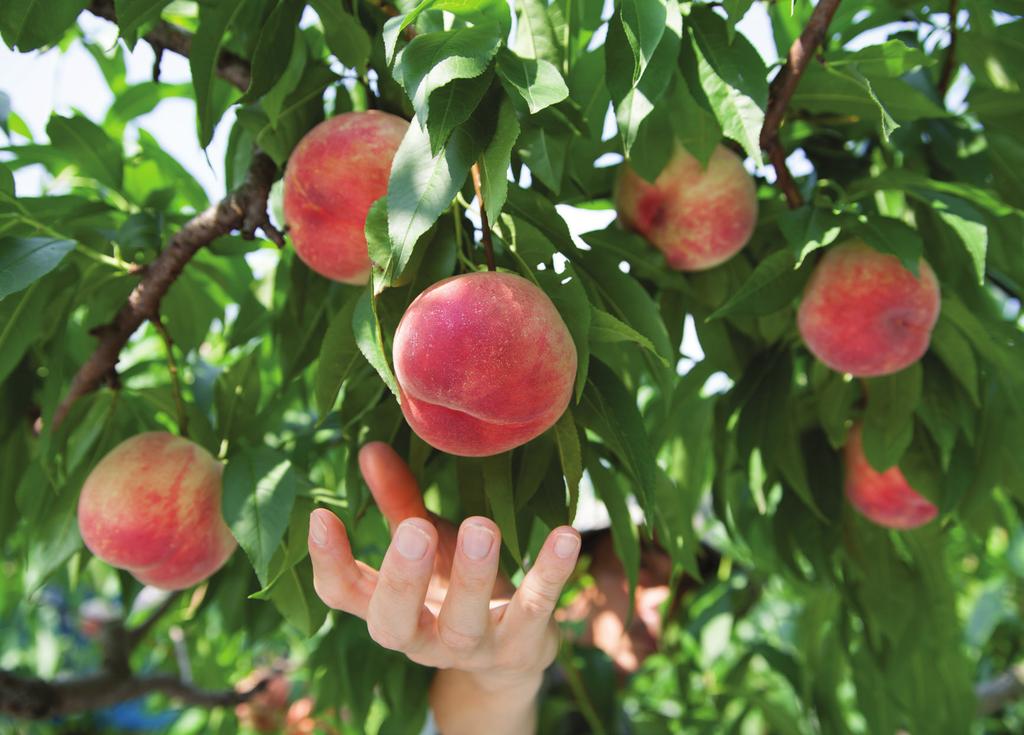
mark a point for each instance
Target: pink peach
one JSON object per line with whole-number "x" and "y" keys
{"x": 698, "y": 217}
{"x": 334, "y": 174}
{"x": 885, "y": 498}
{"x": 152, "y": 506}
{"x": 484, "y": 363}
{"x": 865, "y": 314}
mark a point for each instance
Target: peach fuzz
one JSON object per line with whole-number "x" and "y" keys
{"x": 865, "y": 314}
{"x": 335, "y": 173}
{"x": 484, "y": 363}
{"x": 152, "y": 506}
{"x": 886, "y": 498}
{"x": 698, "y": 217}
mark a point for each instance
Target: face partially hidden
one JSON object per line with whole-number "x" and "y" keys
{"x": 603, "y": 609}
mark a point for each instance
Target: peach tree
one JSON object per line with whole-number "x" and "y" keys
{"x": 789, "y": 354}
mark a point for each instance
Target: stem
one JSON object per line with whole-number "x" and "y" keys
{"x": 781, "y": 92}
{"x": 172, "y": 368}
{"x": 484, "y": 226}
{"x": 579, "y": 691}
{"x": 949, "y": 65}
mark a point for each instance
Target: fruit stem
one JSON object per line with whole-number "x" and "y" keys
{"x": 485, "y": 228}
{"x": 172, "y": 368}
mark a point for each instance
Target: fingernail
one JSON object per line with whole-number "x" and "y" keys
{"x": 477, "y": 541}
{"x": 566, "y": 544}
{"x": 317, "y": 530}
{"x": 411, "y": 542}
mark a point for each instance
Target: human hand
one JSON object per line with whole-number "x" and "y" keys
{"x": 438, "y": 597}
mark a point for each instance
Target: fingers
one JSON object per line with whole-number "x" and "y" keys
{"x": 396, "y": 606}
{"x": 534, "y": 602}
{"x": 391, "y": 483}
{"x": 341, "y": 582}
{"x": 465, "y": 615}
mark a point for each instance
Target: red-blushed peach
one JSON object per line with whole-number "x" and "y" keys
{"x": 698, "y": 217}
{"x": 335, "y": 173}
{"x": 885, "y": 498}
{"x": 152, "y": 506}
{"x": 484, "y": 363}
{"x": 865, "y": 314}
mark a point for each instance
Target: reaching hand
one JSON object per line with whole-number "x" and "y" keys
{"x": 439, "y": 598}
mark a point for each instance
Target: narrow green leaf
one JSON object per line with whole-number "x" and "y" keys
{"x": 536, "y": 81}
{"x": 606, "y": 328}
{"x": 214, "y": 21}
{"x": 497, "y": 472}
{"x": 496, "y": 158}
{"x": 30, "y": 24}
{"x": 889, "y": 418}
{"x": 273, "y": 47}
{"x": 570, "y": 455}
{"x": 339, "y": 355}
{"x": 346, "y": 37}
{"x": 85, "y": 144}
{"x": 774, "y": 284}
{"x": 132, "y": 14}
{"x": 369, "y": 339}
{"x": 625, "y": 537}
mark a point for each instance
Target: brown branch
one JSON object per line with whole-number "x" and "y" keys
{"x": 781, "y": 92}
{"x": 136, "y": 635}
{"x": 485, "y": 228}
{"x": 35, "y": 699}
{"x": 245, "y": 209}
{"x": 172, "y": 368}
{"x": 949, "y": 65}
{"x": 997, "y": 693}
{"x": 165, "y": 36}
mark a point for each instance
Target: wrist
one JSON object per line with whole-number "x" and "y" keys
{"x": 526, "y": 682}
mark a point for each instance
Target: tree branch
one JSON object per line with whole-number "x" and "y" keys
{"x": 485, "y": 228}
{"x": 165, "y": 36}
{"x": 994, "y": 694}
{"x": 949, "y": 64}
{"x": 172, "y": 368}
{"x": 244, "y": 209}
{"x": 781, "y": 92}
{"x": 35, "y": 699}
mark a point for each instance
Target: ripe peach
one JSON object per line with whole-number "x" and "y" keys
{"x": 152, "y": 506}
{"x": 883, "y": 497}
{"x": 334, "y": 174}
{"x": 864, "y": 313}
{"x": 484, "y": 363}
{"x": 698, "y": 217}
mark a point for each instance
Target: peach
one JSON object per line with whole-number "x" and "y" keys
{"x": 885, "y": 498}
{"x": 698, "y": 217}
{"x": 484, "y": 363}
{"x": 152, "y": 506}
{"x": 865, "y": 314}
{"x": 335, "y": 173}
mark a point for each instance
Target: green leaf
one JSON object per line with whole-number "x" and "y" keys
{"x": 432, "y": 60}
{"x": 606, "y": 328}
{"x": 889, "y": 417}
{"x": 259, "y": 490}
{"x": 132, "y": 14}
{"x": 214, "y": 21}
{"x": 452, "y": 105}
{"x": 89, "y": 148}
{"x": 339, "y": 356}
{"x": 346, "y": 37}
{"x": 564, "y": 289}
{"x": 493, "y": 13}
{"x": 570, "y": 456}
{"x": 273, "y": 48}
{"x": 496, "y": 158}
{"x": 695, "y": 126}
{"x": 236, "y": 396}
{"x": 968, "y": 224}
{"x": 423, "y": 185}
{"x": 24, "y": 260}
{"x": 369, "y": 340}
{"x": 536, "y": 81}
{"x": 853, "y": 74}
{"x": 545, "y": 152}
{"x": 955, "y": 352}
{"x": 609, "y": 409}
{"x": 892, "y": 59}
{"x": 807, "y": 229}
{"x": 734, "y": 78}
{"x": 535, "y": 36}
{"x": 625, "y": 537}
{"x": 497, "y": 471}
{"x": 297, "y": 601}
{"x": 774, "y": 284}
{"x": 30, "y": 24}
